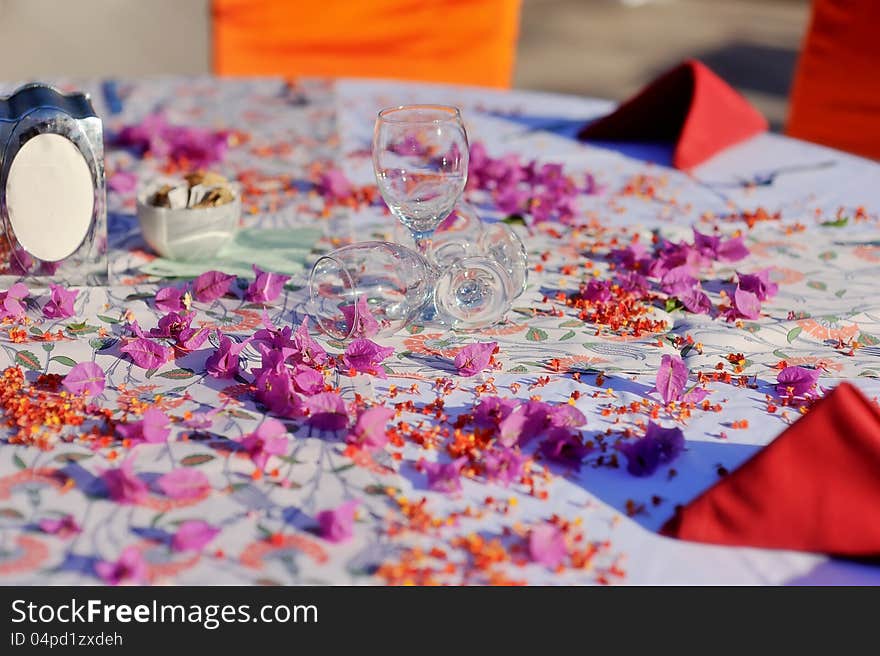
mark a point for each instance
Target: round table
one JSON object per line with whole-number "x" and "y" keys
{"x": 787, "y": 199}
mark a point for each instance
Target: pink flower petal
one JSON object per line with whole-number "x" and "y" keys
{"x": 123, "y": 485}
{"x": 130, "y": 568}
{"x": 85, "y": 377}
{"x": 327, "y": 411}
{"x": 796, "y": 381}
{"x": 146, "y": 353}
{"x": 123, "y": 181}
{"x": 266, "y": 287}
{"x": 64, "y": 527}
{"x": 336, "y": 525}
{"x": 169, "y": 299}
{"x": 224, "y": 362}
{"x": 547, "y": 545}
{"x": 474, "y": 358}
{"x": 671, "y": 378}
{"x": 60, "y": 305}
{"x": 211, "y": 285}
{"x": 370, "y": 429}
{"x": 365, "y": 356}
{"x": 184, "y": 483}
{"x": 193, "y": 535}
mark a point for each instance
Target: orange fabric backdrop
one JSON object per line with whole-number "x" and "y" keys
{"x": 835, "y": 99}
{"x": 457, "y": 41}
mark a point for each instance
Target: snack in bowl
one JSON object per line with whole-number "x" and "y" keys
{"x": 190, "y": 219}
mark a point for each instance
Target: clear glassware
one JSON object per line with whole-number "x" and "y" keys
{"x": 456, "y": 237}
{"x": 420, "y": 158}
{"x": 464, "y": 234}
{"x": 377, "y": 288}
{"x": 369, "y": 288}
{"x": 499, "y": 242}
{"x": 472, "y": 293}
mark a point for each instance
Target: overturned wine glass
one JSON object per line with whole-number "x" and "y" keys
{"x": 463, "y": 234}
{"x": 368, "y": 288}
{"x": 377, "y": 288}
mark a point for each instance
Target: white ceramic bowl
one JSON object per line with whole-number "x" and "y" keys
{"x": 188, "y": 234}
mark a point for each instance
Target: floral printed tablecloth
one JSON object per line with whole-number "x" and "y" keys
{"x": 227, "y": 494}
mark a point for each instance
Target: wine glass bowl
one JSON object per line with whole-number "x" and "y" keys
{"x": 500, "y": 242}
{"x": 420, "y": 158}
{"x": 368, "y": 289}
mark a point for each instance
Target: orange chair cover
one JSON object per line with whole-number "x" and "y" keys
{"x": 835, "y": 99}
{"x": 456, "y": 41}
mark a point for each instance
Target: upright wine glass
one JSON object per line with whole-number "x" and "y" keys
{"x": 420, "y": 158}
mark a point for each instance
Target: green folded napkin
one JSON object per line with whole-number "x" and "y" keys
{"x": 281, "y": 250}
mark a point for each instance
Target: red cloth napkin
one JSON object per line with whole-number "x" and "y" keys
{"x": 815, "y": 488}
{"x": 688, "y": 106}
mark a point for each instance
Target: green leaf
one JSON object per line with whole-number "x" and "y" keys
{"x": 63, "y": 359}
{"x": 782, "y": 355}
{"x": 11, "y": 513}
{"x": 101, "y": 344}
{"x": 825, "y": 256}
{"x": 868, "y": 340}
{"x": 290, "y": 460}
{"x": 837, "y": 223}
{"x": 18, "y": 461}
{"x": 572, "y": 323}
{"x": 839, "y": 293}
{"x": 793, "y": 333}
{"x": 239, "y": 414}
{"x": 139, "y": 297}
{"x": 48, "y": 347}
{"x": 519, "y": 369}
{"x": 342, "y": 468}
{"x": 380, "y": 490}
{"x": 536, "y": 335}
{"x": 817, "y": 284}
{"x": 567, "y": 335}
{"x": 149, "y": 373}
{"x": 35, "y": 331}
{"x": 75, "y": 456}
{"x": 28, "y": 360}
{"x": 81, "y": 328}
{"x": 196, "y": 459}
{"x": 514, "y": 219}
{"x": 107, "y": 319}
{"x": 672, "y": 304}
{"x": 178, "y": 374}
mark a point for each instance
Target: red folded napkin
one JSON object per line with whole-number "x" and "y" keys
{"x": 689, "y": 106}
{"x": 815, "y": 488}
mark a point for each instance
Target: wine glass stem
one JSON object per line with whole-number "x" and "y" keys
{"x": 422, "y": 238}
